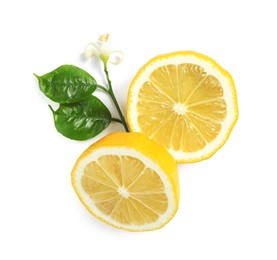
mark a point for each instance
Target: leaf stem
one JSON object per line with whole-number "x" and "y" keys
{"x": 116, "y": 120}
{"x": 102, "y": 88}
{"x": 111, "y": 93}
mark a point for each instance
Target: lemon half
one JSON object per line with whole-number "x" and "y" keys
{"x": 128, "y": 181}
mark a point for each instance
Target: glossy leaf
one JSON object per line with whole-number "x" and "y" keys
{"x": 67, "y": 84}
{"x": 82, "y": 120}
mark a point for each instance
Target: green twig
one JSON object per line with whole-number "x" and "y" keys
{"x": 111, "y": 93}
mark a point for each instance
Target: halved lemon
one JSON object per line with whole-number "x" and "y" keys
{"x": 184, "y": 101}
{"x": 128, "y": 181}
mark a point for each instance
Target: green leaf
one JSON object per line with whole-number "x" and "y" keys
{"x": 67, "y": 84}
{"x": 82, "y": 120}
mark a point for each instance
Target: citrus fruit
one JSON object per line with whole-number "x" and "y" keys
{"x": 128, "y": 181}
{"x": 184, "y": 101}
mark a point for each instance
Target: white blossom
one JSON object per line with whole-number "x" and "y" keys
{"x": 103, "y": 49}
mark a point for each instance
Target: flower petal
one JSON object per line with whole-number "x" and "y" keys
{"x": 91, "y": 50}
{"x": 105, "y": 49}
{"x": 116, "y": 57}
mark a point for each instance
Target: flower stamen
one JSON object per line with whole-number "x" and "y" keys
{"x": 104, "y": 37}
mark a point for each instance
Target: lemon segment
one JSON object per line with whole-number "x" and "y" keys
{"x": 184, "y": 101}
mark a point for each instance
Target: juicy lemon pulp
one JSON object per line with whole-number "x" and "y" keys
{"x": 181, "y": 105}
{"x": 125, "y": 190}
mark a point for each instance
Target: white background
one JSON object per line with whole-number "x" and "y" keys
{"x": 228, "y": 206}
